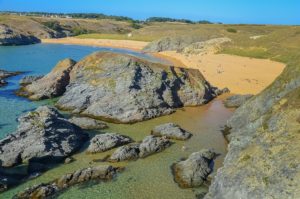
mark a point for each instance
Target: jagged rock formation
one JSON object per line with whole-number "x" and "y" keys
{"x": 5, "y": 74}
{"x": 263, "y": 157}
{"x": 236, "y": 101}
{"x": 52, "y": 85}
{"x": 45, "y": 190}
{"x": 125, "y": 89}
{"x": 193, "y": 171}
{"x": 147, "y": 147}
{"x": 107, "y": 141}
{"x": 171, "y": 131}
{"x": 42, "y": 135}
{"x": 9, "y": 36}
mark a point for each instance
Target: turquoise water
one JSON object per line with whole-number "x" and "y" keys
{"x": 37, "y": 60}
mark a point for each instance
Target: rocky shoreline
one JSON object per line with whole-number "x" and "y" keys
{"x": 5, "y": 74}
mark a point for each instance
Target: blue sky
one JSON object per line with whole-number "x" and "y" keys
{"x": 227, "y": 11}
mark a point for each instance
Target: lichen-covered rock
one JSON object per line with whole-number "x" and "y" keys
{"x": 126, "y": 89}
{"x": 171, "y": 131}
{"x": 42, "y": 135}
{"x": 5, "y": 74}
{"x": 152, "y": 144}
{"x": 107, "y": 141}
{"x": 194, "y": 171}
{"x": 46, "y": 190}
{"x": 88, "y": 123}
{"x": 29, "y": 79}
{"x": 236, "y": 101}
{"x": 263, "y": 154}
{"x": 127, "y": 152}
{"x": 9, "y": 36}
{"x": 52, "y": 85}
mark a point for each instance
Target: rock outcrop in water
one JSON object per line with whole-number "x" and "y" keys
{"x": 236, "y": 100}
{"x": 171, "y": 131}
{"x": 52, "y": 85}
{"x": 147, "y": 147}
{"x": 5, "y": 74}
{"x": 46, "y": 190}
{"x": 125, "y": 89}
{"x": 107, "y": 141}
{"x": 263, "y": 157}
{"x": 9, "y": 36}
{"x": 42, "y": 135}
{"x": 194, "y": 171}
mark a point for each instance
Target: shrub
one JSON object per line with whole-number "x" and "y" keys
{"x": 54, "y": 25}
{"x": 231, "y": 30}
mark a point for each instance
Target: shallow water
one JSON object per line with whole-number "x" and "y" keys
{"x": 146, "y": 178}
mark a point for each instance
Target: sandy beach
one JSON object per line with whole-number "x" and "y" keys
{"x": 241, "y": 75}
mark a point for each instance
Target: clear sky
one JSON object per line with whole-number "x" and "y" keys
{"x": 226, "y": 11}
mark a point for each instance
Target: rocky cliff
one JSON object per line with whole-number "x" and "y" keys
{"x": 125, "y": 89}
{"x": 263, "y": 159}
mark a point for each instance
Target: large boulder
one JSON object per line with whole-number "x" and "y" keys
{"x": 171, "y": 131}
{"x": 236, "y": 101}
{"x": 264, "y": 143}
{"x": 126, "y": 89}
{"x": 52, "y": 85}
{"x": 127, "y": 152}
{"x": 88, "y": 123}
{"x": 45, "y": 190}
{"x": 152, "y": 144}
{"x": 194, "y": 171}
{"x": 107, "y": 141}
{"x": 42, "y": 135}
{"x": 9, "y": 36}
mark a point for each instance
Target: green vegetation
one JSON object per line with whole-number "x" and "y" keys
{"x": 231, "y": 30}
{"x": 54, "y": 25}
{"x": 166, "y": 19}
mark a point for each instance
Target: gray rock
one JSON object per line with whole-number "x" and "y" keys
{"x": 68, "y": 160}
{"x": 194, "y": 171}
{"x": 42, "y": 135}
{"x": 221, "y": 91}
{"x": 29, "y": 79}
{"x": 128, "y": 152}
{"x": 107, "y": 141}
{"x": 125, "y": 89}
{"x": 264, "y": 143}
{"x": 13, "y": 37}
{"x": 236, "y": 100}
{"x": 171, "y": 131}
{"x": 88, "y": 123}
{"x": 5, "y": 74}
{"x": 177, "y": 43}
{"x": 46, "y": 190}
{"x": 52, "y": 85}
{"x": 152, "y": 144}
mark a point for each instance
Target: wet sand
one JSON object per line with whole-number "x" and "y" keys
{"x": 241, "y": 75}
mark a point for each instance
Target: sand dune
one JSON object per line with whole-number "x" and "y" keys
{"x": 241, "y": 75}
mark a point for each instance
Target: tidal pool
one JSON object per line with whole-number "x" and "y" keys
{"x": 149, "y": 178}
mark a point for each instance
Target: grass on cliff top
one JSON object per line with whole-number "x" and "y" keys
{"x": 116, "y": 37}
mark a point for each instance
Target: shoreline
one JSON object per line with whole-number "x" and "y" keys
{"x": 242, "y": 75}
